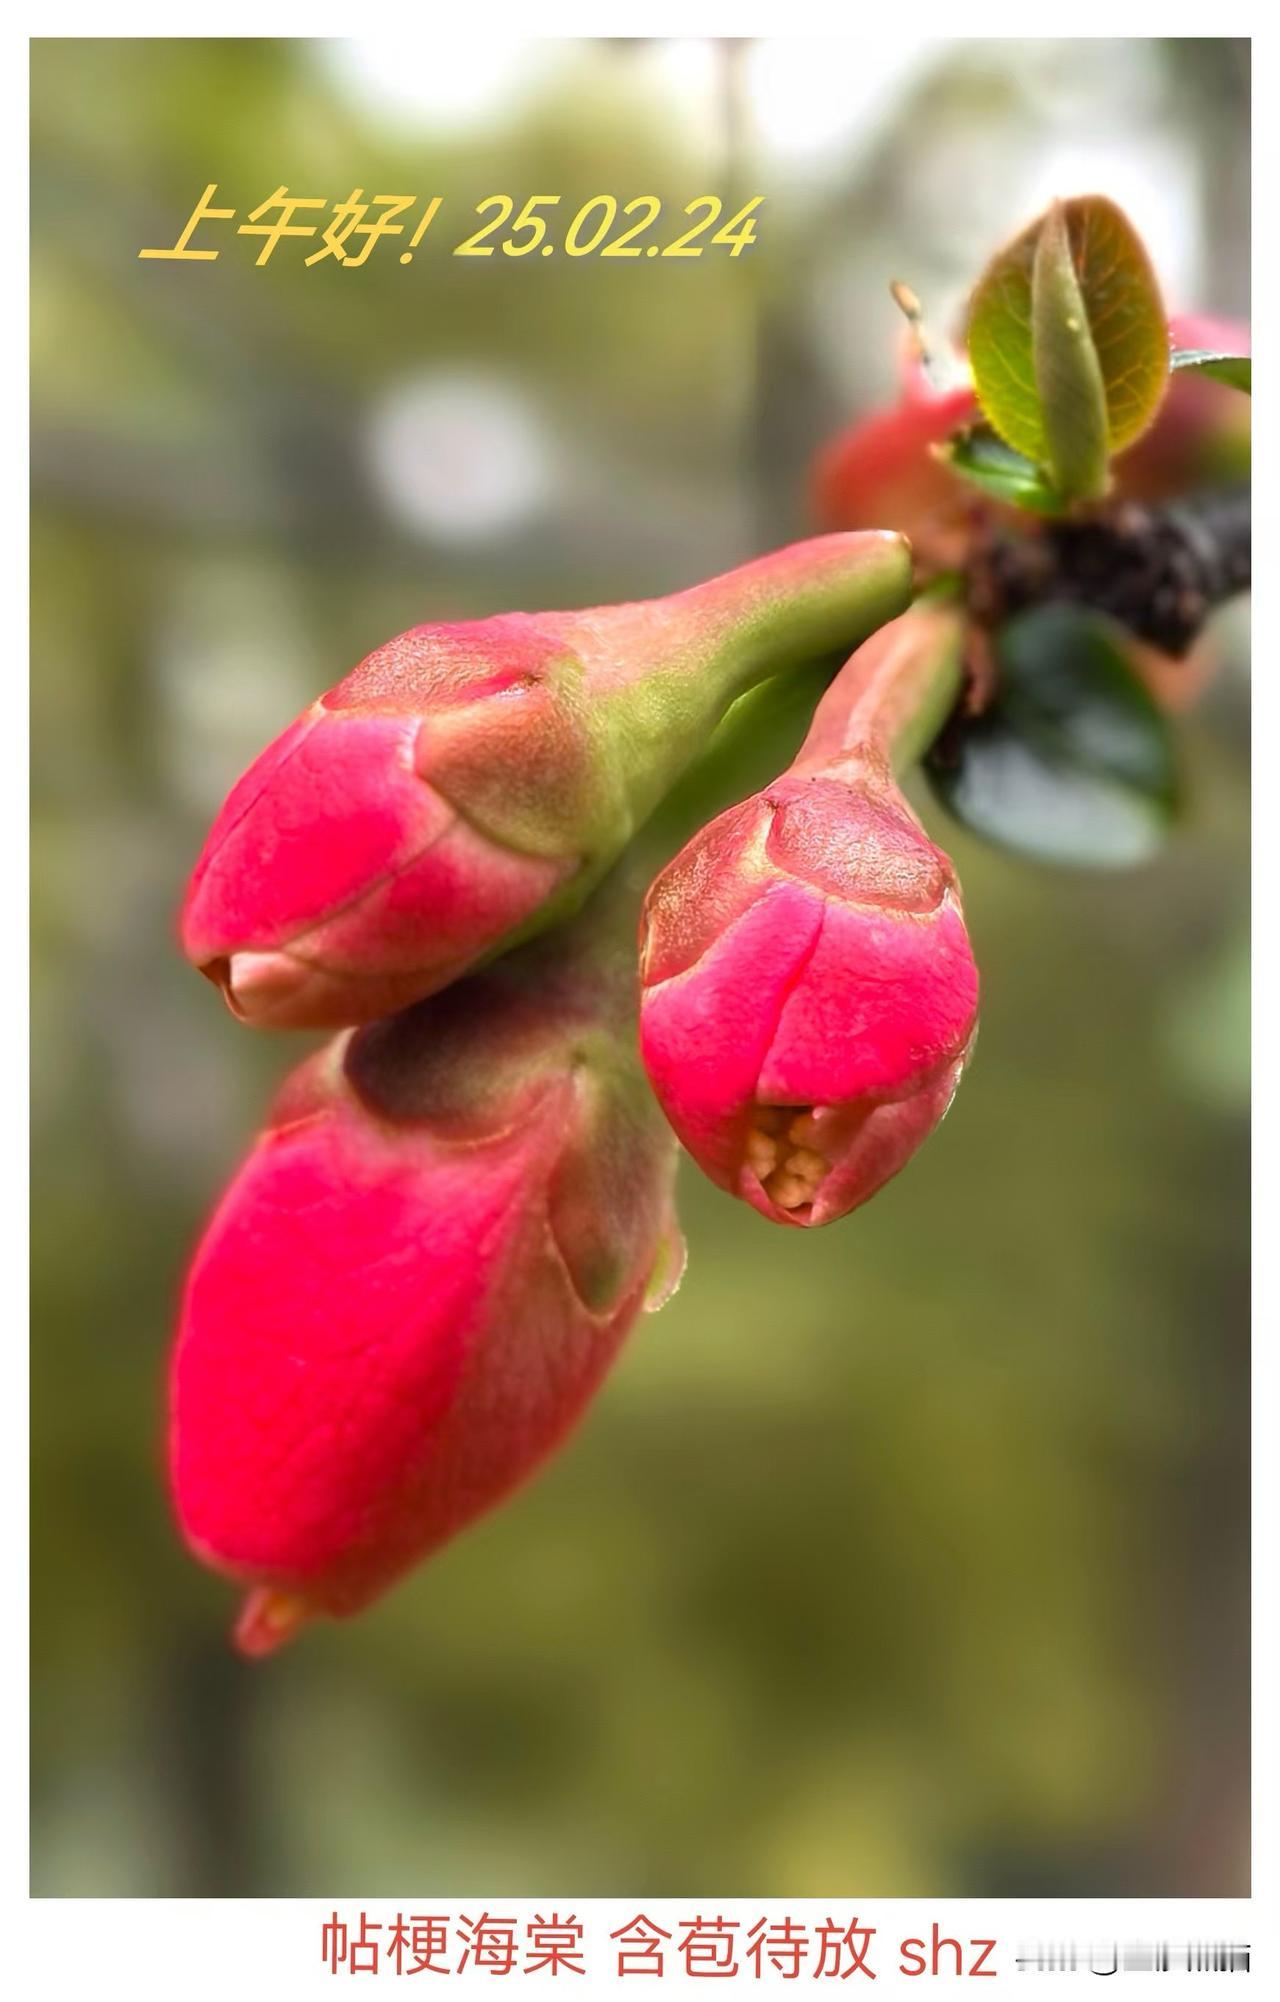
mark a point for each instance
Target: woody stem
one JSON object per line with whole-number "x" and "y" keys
{"x": 1159, "y": 571}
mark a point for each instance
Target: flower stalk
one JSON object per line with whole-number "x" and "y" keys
{"x": 893, "y": 696}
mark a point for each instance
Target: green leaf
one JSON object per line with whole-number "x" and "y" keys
{"x": 1030, "y": 366}
{"x": 980, "y": 456}
{"x": 1235, "y": 370}
{"x": 1068, "y": 373}
{"x": 1073, "y": 763}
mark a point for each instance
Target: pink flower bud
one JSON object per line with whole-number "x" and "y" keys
{"x": 809, "y": 994}
{"x": 469, "y": 783}
{"x": 884, "y": 468}
{"x": 414, "y": 1284}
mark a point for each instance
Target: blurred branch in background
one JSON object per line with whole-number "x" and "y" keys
{"x": 961, "y": 1633}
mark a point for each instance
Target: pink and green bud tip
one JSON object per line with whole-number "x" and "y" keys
{"x": 809, "y": 995}
{"x": 416, "y": 1282}
{"x": 468, "y": 784}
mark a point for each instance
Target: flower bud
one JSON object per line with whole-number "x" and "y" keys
{"x": 885, "y": 468}
{"x": 415, "y": 1283}
{"x": 469, "y": 783}
{"x": 809, "y": 994}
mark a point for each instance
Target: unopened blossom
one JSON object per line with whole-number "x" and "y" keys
{"x": 809, "y": 994}
{"x": 416, "y": 1281}
{"x": 469, "y": 783}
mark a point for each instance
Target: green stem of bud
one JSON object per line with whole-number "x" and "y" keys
{"x": 893, "y": 697}
{"x": 758, "y": 738}
{"x": 691, "y": 657}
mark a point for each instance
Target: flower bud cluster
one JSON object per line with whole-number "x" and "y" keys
{"x": 456, "y": 1209}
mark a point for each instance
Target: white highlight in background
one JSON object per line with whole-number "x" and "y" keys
{"x": 459, "y": 457}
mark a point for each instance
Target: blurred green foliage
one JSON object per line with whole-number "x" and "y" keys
{"x": 906, "y": 1557}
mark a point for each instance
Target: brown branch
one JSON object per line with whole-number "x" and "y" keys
{"x": 1160, "y": 571}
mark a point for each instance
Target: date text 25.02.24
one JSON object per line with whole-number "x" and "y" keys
{"x": 592, "y": 229}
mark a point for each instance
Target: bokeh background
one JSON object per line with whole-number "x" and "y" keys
{"x": 907, "y": 1557}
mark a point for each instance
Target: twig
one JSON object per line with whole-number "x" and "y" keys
{"x": 1160, "y": 571}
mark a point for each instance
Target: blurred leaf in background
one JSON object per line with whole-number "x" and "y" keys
{"x": 1073, "y": 762}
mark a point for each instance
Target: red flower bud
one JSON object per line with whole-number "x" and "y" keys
{"x": 883, "y": 468}
{"x": 415, "y": 1283}
{"x": 809, "y": 994}
{"x": 468, "y": 784}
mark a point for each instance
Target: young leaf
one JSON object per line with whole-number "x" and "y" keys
{"x": 1068, "y": 373}
{"x": 1073, "y": 763}
{"x": 1235, "y": 370}
{"x": 981, "y": 457}
{"x": 1123, "y": 320}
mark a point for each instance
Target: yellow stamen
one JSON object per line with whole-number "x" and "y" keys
{"x": 780, "y": 1151}
{"x": 789, "y": 1192}
{"x": 762, "y": 1153}
{"x": 808, "y": 1164}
